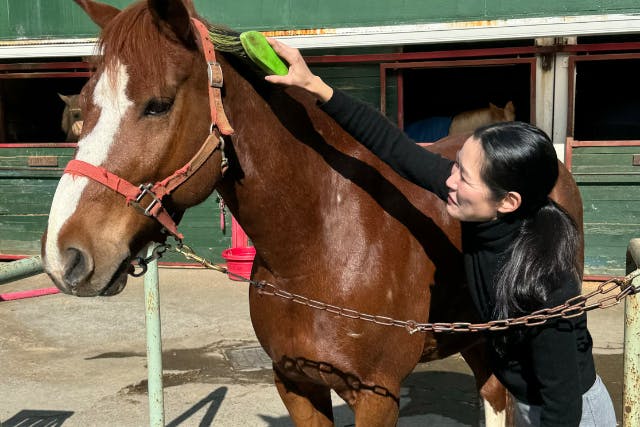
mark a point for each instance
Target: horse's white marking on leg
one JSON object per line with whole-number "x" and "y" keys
{"x": 493, "y": 418}
{"x": 93, "y": 148}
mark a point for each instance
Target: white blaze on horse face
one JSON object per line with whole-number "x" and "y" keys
{"x": 110, "y": 95}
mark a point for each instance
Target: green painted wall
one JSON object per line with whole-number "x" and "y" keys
{"x": 609, "y": 186}
{"x": 60, "y": 18}
{"x": 26, "y": 194}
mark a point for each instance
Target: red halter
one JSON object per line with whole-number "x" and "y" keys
{"x": 135, "y": 195}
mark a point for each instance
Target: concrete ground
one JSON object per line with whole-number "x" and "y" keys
{"x": 81, "y": 361}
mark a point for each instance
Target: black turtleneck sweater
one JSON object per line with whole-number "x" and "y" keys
{"x": 550, "y": 365}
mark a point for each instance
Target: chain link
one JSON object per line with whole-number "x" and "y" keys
{"x": 573, "y": 307}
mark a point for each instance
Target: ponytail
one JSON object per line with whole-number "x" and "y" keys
{"x": 543, "y": 255}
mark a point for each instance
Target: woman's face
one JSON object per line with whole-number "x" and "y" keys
{"x": 469, "y": 197}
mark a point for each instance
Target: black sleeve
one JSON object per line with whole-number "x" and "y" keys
{"x": 556, "y": 364}
{"x": 387, "y": 141}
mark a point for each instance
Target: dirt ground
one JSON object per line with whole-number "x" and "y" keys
{"x": 81, "y": 362}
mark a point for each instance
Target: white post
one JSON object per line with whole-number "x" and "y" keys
{"x": 631, "y": 390}
{"x": 154, "y": 343}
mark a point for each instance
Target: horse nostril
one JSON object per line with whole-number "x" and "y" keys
{"x": 77, "y": 268}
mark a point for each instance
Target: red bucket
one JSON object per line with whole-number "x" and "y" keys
{"x": 239, "y": 261}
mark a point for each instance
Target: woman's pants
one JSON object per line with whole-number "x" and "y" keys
{"x": 597, "y": 409}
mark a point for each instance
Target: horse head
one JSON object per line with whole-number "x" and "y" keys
{"x": 146, "y": 114}
{"x": 71, "y": 117}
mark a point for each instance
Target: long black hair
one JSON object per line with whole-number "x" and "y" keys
{"x": 520, "y": 157}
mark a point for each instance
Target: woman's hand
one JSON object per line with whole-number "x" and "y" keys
{"x": 299, "y": 73}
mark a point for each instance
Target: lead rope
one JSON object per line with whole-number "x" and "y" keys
{"x": 573, "y": 307}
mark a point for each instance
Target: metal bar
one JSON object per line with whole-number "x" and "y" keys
{"x": 154, "y": 343}
{"x": 631, "y": 388}
{"x": 599, "y": 47}
{"x": 43, "y": 75}
{"x": 383, "y": 90}
{"x": 597, "y": 277}
{"x": 46, "y": 66}
{"x": 12, "y": 296}
{"x": 20, "y": 269}
{"x": 419, "y": 56}
{"x": 604, "y": 173}
{"x": 470, "y": 53}
{"x": 458, "y": 63}
{"x": 39, "y": 145}
{"x": 603, "y": 143}
{"x": 239, "y": 238}
{"x": 607, "y": 57}
{"x": 400, "y": 86}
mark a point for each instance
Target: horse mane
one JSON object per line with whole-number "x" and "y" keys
{"x": 130, "y": 37}
{"x": 226, "y": 40}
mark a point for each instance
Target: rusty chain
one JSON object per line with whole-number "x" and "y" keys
{"x": 573, "y": 307}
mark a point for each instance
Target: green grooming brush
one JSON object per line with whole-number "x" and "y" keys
{"x": 262, "y": 54}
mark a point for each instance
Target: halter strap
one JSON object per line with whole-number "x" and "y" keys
{"x": 136, "y": 195}
{"x": 218, "y": 117}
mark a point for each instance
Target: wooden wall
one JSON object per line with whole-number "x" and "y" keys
{"x": 610, "y": 188}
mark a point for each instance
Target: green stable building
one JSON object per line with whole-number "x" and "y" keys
{"x": 570, "y": 67}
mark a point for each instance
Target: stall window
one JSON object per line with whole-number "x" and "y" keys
{"x": 443, "y": 89}
{"x": 31, "y": 108}
{"x": 607, "y": 98}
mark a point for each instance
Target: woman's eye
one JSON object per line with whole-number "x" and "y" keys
{"x": 158, "y": 106}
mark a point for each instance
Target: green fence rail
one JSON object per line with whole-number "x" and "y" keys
{"x": 21, "y": 269}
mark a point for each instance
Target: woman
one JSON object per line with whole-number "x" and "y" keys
{"x": 519, "y": 248}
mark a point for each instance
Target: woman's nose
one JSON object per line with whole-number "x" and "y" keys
{"x": 452, "y": 181}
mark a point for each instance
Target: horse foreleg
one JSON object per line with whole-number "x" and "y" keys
{"x": 493, "y": 393}
{"x": 375, "y": 410}
{"x": 309, "y": 404}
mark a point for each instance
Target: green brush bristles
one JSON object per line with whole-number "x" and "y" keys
{"x": 250, "y": 44}
{"x": 262, "y": 54}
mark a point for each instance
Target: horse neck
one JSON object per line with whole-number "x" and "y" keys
{"x": 274, "y": 186}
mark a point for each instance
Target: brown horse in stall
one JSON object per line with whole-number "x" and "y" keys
{"x": 328, "y": 219}
{"x": 71, "y": 123}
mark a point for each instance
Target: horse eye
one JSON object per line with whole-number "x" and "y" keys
{"x": 158, "y": 106}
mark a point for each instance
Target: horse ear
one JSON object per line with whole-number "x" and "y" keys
{"x": 175, "y": 15}
{"x": 188, "y": 4}
{"x": 64, "y": 98}
{"x": 99, "y": 13}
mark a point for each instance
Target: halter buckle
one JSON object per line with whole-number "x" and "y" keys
{"x": 145, "y": 189}
{"x": 214, "y": 71}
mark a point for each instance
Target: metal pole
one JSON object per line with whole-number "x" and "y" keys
{"x": 20, "y": 269}
{"x": 154, "y": 343}
{"x": 631, "y": 391}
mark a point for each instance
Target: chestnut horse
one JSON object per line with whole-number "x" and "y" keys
{"x": 327, "y": 218}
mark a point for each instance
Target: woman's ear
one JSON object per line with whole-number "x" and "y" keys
{"x": 510, "y": 202}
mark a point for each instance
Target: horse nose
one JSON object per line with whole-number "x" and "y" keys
{"x": 77, "y": 269}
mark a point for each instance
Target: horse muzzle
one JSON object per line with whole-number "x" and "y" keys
{"x": 77, "y": 275}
